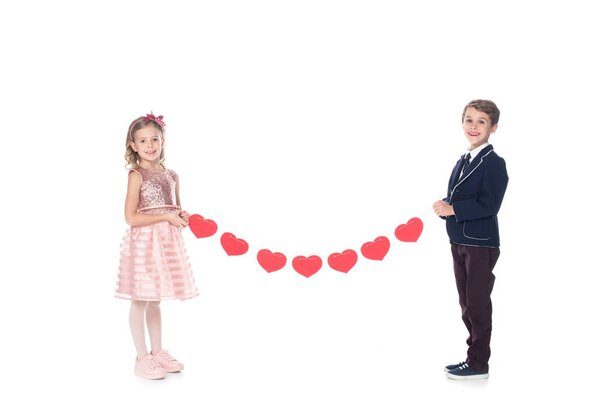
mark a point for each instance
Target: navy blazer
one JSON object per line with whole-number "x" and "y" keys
{"x": 476, "y": 198}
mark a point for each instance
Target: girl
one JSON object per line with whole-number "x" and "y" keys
{"x": 154, "y": 264}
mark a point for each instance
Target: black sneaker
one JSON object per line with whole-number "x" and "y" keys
{"x": 453, "y": 366}
{"x": 464, "y": 372}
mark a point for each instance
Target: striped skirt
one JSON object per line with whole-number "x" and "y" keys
{"x": 154, "y": 265}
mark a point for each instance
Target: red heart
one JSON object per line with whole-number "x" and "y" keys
{"x": 376, "y": 249}
{"x": 232, "y": 245}
{"x": 307, "y": 266}
{"x": 202, "y": 227}
{"x": 410, "y": 231}
{"x": 271, "y": 261}
{"x": 343, "y": 262}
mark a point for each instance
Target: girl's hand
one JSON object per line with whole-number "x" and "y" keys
{"x": 185, "y": 216}
{"x": 175, "y": 220}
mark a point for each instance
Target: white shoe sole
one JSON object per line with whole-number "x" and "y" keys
{"x": 467, "y": 377}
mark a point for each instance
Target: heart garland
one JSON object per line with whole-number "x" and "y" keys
{"x": 307, "y": 266}
{"x": 232, "y": 245}
{"x": 201, "y": 227}
{"x": 270, "y": 261}
{"x": 377, "y": 249}
{"x": 343, "y": 261}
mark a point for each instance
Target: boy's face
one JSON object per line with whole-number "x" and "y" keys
{"x": 478, "y": 127}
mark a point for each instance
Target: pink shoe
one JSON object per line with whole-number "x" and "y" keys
{"x": 148, "y": 368}
{"x": 167, "y": 362}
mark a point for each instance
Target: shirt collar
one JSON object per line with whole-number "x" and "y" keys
{"x": 477, "y": 150}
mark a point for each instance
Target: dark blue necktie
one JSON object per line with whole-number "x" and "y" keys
{"x": 466, "y": 161}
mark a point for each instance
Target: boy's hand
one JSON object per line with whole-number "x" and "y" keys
{"x": 443, "y": 209}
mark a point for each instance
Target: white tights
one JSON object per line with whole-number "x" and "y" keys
{"x": 151, "y": 309}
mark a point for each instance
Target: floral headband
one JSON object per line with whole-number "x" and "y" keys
{"x": 153, "y": 118}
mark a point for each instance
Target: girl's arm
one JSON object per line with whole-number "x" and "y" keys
{"x": 183, "y": 214}
{"x": 134, "y": 218}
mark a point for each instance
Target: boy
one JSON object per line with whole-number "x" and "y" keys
{"x": 475, "y": 191}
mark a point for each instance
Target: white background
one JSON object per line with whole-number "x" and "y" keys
{"x": 305, "y": 127}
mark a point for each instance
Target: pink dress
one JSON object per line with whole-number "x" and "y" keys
{"x": 154, "y": 263}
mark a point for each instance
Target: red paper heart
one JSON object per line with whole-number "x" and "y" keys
{"x": 410, "y": 231}
{"x": 201, "y": 227}
{"x": 376, "y": 249}
{"x": 271, "y": 261}
{"x": 232, "y": 245}
{"x": 307, "y": 266}
{"x": 343, "y": 262}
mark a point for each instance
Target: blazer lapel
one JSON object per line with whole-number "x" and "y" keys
{"x": 456, "y": 173}
{"x": 475, "y": 163}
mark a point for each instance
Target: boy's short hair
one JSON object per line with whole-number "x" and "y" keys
{"x": 486, "y": 106}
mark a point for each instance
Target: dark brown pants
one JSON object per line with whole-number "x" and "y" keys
{"x": 474, "y": 280}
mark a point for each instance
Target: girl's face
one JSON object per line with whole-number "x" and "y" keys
{"x": 148, "y": 143}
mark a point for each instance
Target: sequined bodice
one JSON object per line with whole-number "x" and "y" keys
{"x": 158, "y": 189}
